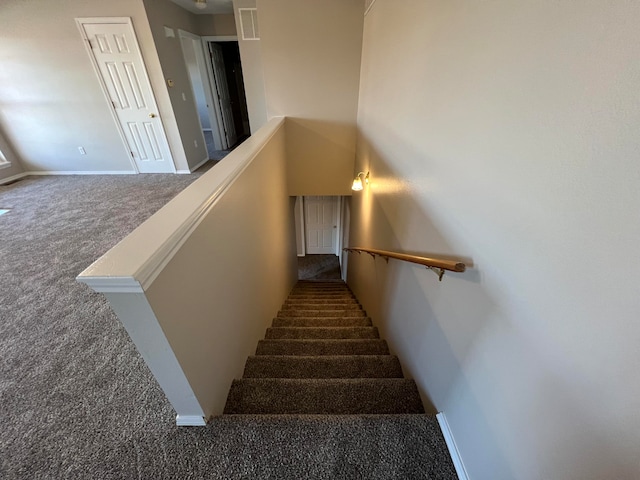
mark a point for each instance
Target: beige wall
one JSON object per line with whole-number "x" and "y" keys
{"x": 219, "y": 293}
{"x": 311, "y": 57}
{"x": 211, "y": 25}
{"x": 163, "y": 13}
{"x": 252, "y": 72}
{"x": 507, "y": 133}
{"x": 51, "y": 98}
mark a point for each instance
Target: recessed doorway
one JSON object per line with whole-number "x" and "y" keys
{"x": 215, "y": 73}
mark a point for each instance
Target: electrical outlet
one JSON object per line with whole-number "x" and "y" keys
{"x": 184, "y": 97}
{"x": 195, "y": 143}
{"x": 82, "y": 151}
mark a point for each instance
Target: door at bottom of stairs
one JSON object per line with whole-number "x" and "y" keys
{"x": 321, "y": 224}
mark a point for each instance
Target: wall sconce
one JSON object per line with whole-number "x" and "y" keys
{"x": 201, "y": 4}
{"x": 357, "y": 182}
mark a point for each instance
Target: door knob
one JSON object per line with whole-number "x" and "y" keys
{"x": 152, "y": 115}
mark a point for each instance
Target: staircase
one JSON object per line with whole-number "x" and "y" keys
{"x": 324, "y": 375}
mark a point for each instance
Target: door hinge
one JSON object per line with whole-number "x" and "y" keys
{"x": 113, "y": 104}
{"x": 90, "y": 44}
{"x": 132, "y": 154}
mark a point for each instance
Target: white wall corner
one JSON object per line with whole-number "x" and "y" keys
{"x": 453, "y": 448}
{"x": 190, "y": 421}
{"x": 139, "y": 320}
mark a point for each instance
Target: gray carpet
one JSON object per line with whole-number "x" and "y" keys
{"x": 318, "y": 267}
{"x": 341, "y": 375}
{"x": 78, "y": 402}
{"x": 211, "y": 148}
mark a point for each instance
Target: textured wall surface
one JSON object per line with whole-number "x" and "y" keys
{"x": 311, "y": 57}
{"x": 505, "y": 133}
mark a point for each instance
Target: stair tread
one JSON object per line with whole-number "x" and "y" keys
{"x": 322, "y": 313}
{"x": 321, "y": 332}
{"x": 325, "y": 366}
{"x": 321, "y": 322}
{"x": 323, "y": 396}
{"x": 315, "y": 347}
{"x": 321, "y": 306}
{"x": 322, "y": 347}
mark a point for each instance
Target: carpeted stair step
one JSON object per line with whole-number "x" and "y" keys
{"x": 371, "y": 447}
{"x": 320, "y": 293}
{"x": 322, "y": 322}
{"x": 320, "y": 306}
{"x": 323, "y": 347}
{"x": 322, "y": 332}
{"x": 322, "y": 313}
{"x": 341, "y": 366}
{"x": 323, "y": 396}
{"x": 319, "y": 290}
{"x": 321, "y": 301}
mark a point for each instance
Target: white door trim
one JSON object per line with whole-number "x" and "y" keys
{"x": 217, "y": 109}
{"x": 80, "y": 22}
{"x": 206, "y": 83}
{"x": 337, "y": 229}
{"x": 339, "y": 226}
{"x": 220, "y": 38}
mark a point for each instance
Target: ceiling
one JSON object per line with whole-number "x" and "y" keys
{"x": 213, "y": 6}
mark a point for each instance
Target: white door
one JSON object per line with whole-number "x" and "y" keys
{"x": 321, "y": 221}
{"x": 222, "y": 90}
{"x": 117, "y": 56}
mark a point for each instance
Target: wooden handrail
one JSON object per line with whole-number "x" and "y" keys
{"x": 438, "y": 266}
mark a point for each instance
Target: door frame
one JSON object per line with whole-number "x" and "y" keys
{"x": 80, "y": 21}
{"x": 212, "y": 82}
{"x": 203, "y": 65}
{"x": 339, "y": 225}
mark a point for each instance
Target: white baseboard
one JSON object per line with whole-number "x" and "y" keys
{"x": 81, "y": 172}
{"x": 190, "y": 421}
{"x": 453, "y": 448}
{"x": 13, "y": 178}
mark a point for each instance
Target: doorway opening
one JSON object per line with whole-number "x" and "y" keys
{"x": 322, "y": 226}
{"x": 215, "y": 74}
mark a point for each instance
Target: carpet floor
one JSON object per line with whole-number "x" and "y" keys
{"x": 318, "y": 267}
{"x": 77, "y": 400}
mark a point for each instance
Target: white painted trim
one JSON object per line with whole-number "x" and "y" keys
{"x": 221, "y": 140}
{"x": 199, "y": 54}
{"x": 82, "y": 172}
{"x": 453, "y": 448}
{"x": 13, "y": 178}
{"x": 143, "y": 254}
{"x": 300, "y": 225}
{"x": 113, "y": 284}
{"x": 87, "y": 46}
{"x": 220, "y": 38}
{"x": 190, "y": 421}
{"x": 80, "y": 22}
{"x": 140, "y": 322}
{"x": 4, "y": 163}
{"x": 339, "y": 226}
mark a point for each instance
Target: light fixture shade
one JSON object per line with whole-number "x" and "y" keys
{"x": 357, "y": 184}
{"x": 201, "y": 4}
